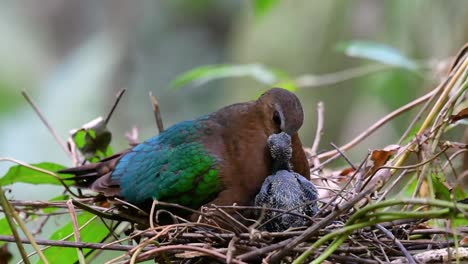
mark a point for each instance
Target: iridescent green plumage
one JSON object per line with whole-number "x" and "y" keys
{"x": 173, "y": 167}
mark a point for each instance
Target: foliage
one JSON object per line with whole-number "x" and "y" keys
{"x": 94, "y": 230}
{"x": 378, "y": 52}
{"x": 20, "y": 173}
{"x": 93, "y": 140}
{"x": 260, "y": 73}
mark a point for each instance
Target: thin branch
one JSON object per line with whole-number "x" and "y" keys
{"x": 157, "y": 112}
{"x": 397, "y": 242}
{"x": 71, "y": 244}
{"x": 310, "y": 80}
{"x": 116, "y": 102}
{"x": 380, "y": 123}
{"x": 344, "y": 156}
{"x": 318, "y": 134}
{"x": 151, "y": 253}
{"x": 46, "y": 123}
{"x": 9, "y": 216}
{"x": 76, "y": 232}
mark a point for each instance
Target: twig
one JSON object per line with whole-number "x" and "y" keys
{"x": 46, "y": 123}
{"x": 281, "y": 211}
{"x": 178, "y": 206}
{"x": 28, "y": 234}
{"x": 313, "y": 229}
{"x": 9, "y": 216}
{"x": 71, "y": 244}
{"x": 116, "y": 102}
{"x": 310, "y": 80}
{"x": 157, "y": 112}
{"x": 421, "y": 111}
{"x": 356, "y": 171}
{"x": 443, "y": 97}
{"x": 41, "y": 225}
{"x": 454, "y": 77}
{"x": 76, "y": 232}
{"x": 343, "y": 155}
{"x": 318, "y": 134}
{"x": 397, "y": 242}
{"x": 231, "y": 249}
{"x": 417, "y": 164}
{"x": 380, "y": 123}
{"x": 152, "y": 252}
{"x": 152, "y": 215}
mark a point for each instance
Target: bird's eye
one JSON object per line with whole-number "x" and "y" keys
{"x": 277, "y": 118}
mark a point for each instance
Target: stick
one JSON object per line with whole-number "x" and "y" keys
{"x": 15, "y": 238}
{"x": 397, "y": 242}
{"x": 380, "y": 123}
{"x": 76, "y": 231}
{"x": 46, "y": 123}
{"x": 116, "y": 102}
{"x": 71, "y": 244}
{"x": 157, "y": 112}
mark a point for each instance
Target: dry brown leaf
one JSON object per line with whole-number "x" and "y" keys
{"x": 463, "y": 114}
{"x": 381, "y": 156}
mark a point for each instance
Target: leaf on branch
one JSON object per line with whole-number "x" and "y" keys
{"x": 381, "y": 156}
{"x": 19, "y": 173}
{"x": 204, "y": 74}
{"x": 93, "y": 140}
{"x": 378, "y": 52}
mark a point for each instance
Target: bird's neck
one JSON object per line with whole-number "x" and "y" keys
{"x": 281, "y": 165}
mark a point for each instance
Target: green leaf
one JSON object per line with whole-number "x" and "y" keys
{"x": 23, "y": 174}
{"x": 93, "y": 140}
{"x": 204, "y": 74}
{"x": 94, "y": 232}
{"x": 441, "y": 191}
{"x": 5, "y": 229}
{"x": 377, "y": 52}
{"x": 261, "y": 7}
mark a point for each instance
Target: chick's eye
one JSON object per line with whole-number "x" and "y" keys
{"x": 277, "y": 118}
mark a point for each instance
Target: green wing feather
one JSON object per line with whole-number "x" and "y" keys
{"x": 173, "y": 166}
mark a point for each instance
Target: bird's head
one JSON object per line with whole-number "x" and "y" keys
{"x": 280, "y": 147}
{"x": 284, "y": 110}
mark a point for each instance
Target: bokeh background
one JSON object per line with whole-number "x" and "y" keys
{"x": 72, "y": 57}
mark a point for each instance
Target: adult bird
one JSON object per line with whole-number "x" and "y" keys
{"x": 220, "y": 158}
{"x": 285, "y": 190}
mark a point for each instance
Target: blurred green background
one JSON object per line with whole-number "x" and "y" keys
{"x": 74, "y": 56}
